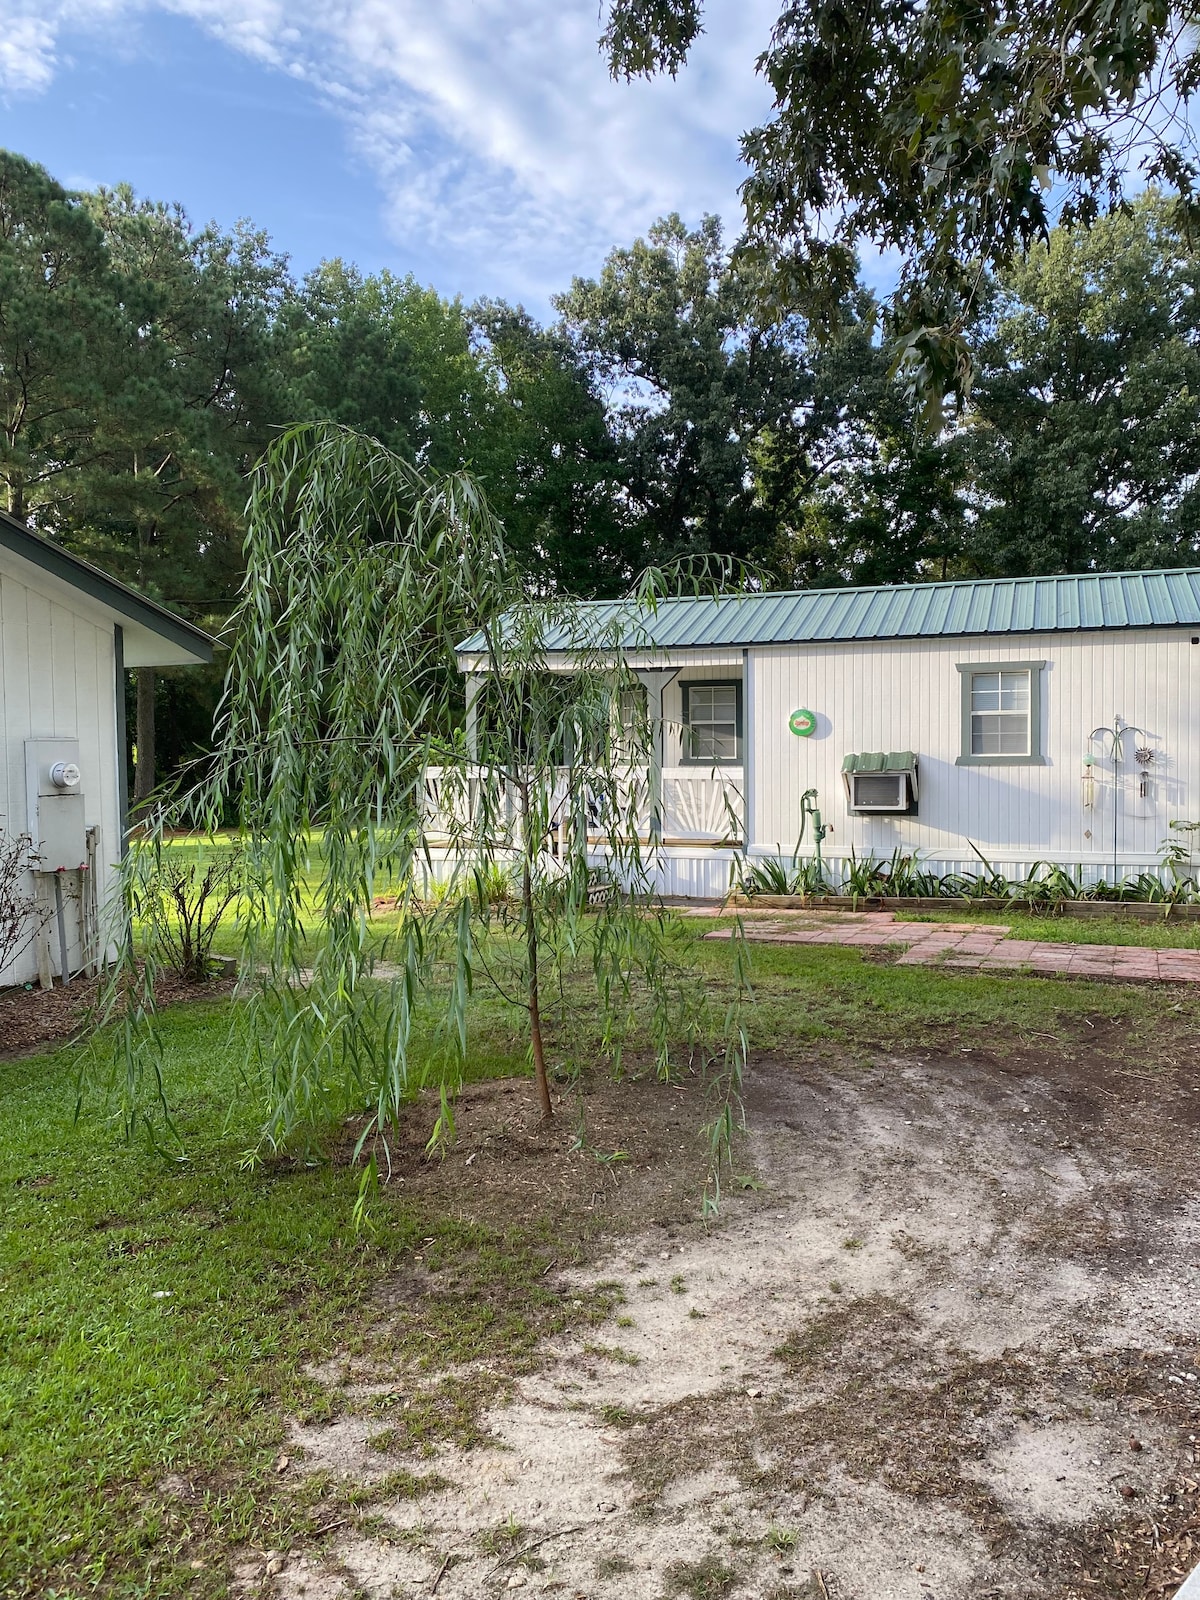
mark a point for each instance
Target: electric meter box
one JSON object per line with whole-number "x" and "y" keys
{"x": 54, "y": 792}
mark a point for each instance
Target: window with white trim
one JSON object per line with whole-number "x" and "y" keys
{"x": 712, "y": 719}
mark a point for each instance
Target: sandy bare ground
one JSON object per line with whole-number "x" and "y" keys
{"x": 948, "y": 1347}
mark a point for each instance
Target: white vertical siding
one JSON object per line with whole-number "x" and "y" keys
{"x": 905, "y": 695}
{"x": 748, "y": 742}
{"x": 57, "y": 678}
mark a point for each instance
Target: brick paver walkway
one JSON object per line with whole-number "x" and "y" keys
{"x": 962, "y": 944}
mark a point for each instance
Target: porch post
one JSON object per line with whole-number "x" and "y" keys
{"x": 655, "y": 680}
{"x": 473, "y": 684}
{"x": 472, "y": 721}
{"x": 747, "y": 749}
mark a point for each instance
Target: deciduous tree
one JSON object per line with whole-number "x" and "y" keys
{"x": 857, "y": 492}
{"x": 364, "y": 573}
{"x": 546, "y": 454}
{"x": 940, "y": 131}
{"x": 1084, "y": 435}
{"x": 695, "y": 384}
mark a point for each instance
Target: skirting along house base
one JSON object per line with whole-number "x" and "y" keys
{"x": 1024, "y": 721}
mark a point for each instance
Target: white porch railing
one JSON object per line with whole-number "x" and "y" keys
{"x": 702, "y": 805}
{"x": 699, "y": 805}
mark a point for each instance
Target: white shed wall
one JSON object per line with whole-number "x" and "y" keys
{"x": 57, "y": 680}
{"x": 905, "y": 695}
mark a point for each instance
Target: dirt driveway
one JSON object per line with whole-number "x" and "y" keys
{"x": 947, "y": 1346}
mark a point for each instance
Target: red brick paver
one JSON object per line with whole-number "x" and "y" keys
{"x": 967, "y": 945}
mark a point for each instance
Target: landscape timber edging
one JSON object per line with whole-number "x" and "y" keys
{"x": 1144, "y": 910}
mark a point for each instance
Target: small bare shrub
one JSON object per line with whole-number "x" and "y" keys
{"x": 181, "y": 899}
{"x": 20, "y": 914}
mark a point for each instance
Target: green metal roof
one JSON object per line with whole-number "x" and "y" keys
{"x": 1093, "y": 600}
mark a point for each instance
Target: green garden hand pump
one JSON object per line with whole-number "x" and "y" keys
{"x": 809, "y": 808}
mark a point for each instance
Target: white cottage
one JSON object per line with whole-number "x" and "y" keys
{"x": 68, "y": 632}
{"x": 1026, "y": 720}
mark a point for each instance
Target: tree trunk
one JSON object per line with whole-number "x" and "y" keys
{"x": 535, "y": 1016}
{"x": 143, "y": 772}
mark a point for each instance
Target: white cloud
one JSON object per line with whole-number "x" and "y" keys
{"x": 493, "y": 126}
{"x": 26, "y": 54}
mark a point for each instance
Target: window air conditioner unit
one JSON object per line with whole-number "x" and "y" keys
{"x": 879, "y": 791}
{"x": 881, "y": 781}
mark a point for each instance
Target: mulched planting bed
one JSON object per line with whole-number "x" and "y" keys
{"x": 33, "y": 1019}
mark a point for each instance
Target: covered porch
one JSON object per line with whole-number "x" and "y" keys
{"x": 685, "y": 797}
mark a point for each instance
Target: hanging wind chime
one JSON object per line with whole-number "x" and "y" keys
{"x": 1144, "y": 756}
{"x": 1089, "y": 785}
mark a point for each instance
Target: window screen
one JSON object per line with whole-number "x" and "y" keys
{"x": 629, "y": 734}
{"x": 711, "y": 714}
{"x": 1000, "y": 713}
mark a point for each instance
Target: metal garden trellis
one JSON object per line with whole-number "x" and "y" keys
{"x": 1115, "y": 736}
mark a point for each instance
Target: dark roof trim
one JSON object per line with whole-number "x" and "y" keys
{"x": 90, "y": 580}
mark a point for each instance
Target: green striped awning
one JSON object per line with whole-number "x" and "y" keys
{"x": 881, "y": 761}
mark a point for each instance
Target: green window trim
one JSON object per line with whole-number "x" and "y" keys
{"x": 685, "y": 688}
{"x": 1036, "y": 756}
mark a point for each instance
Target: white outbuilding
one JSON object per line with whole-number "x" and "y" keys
{"x": 68, "y": 634}
{"x": 1045, "y": 720}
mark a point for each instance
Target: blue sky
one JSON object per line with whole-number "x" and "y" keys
{"x": 476, "y": 143}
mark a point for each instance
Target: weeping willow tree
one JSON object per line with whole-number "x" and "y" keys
{"x": 504, "y": 815}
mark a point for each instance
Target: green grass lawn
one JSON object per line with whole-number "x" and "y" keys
{"x": 228, "y": 939}
{"x": 159, "y": 1308}
{"x": 806, "y": 993}
{"x": 1161, "y": 933}
{"x": 157, "y": 1313}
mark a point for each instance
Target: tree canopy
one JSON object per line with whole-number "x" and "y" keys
{"x": 659, "y": 414}
{"x": 547, "y": 457}
{"x": 696, "y": 383}
{"x": 856, "y": 493}
{"x": 950, "y": 134}
{"x": 63, "y": 333}
{"x": 1084, "y": 433}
